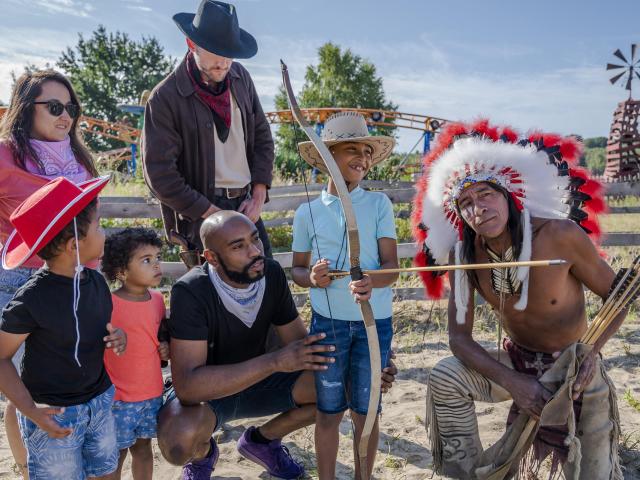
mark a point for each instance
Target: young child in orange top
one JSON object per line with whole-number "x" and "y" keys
{"x": 132, "y": 257}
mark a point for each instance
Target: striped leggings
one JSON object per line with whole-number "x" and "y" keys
{"x": 452, "y": 424}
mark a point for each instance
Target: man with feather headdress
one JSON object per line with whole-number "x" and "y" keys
{"x": 489, "y": 196}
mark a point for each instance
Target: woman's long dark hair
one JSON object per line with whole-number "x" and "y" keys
{"x": 514, "y": 224}
{"x": 16, "y": 125}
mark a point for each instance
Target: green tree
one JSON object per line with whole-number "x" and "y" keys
{"x": 110, "y": 69}
{"x": 595, "y": 142}
{"x": 595, "y": 159}
{"x": 341, "y": 79}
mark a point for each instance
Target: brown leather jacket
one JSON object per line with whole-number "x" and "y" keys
{"x": 178, "y": 146}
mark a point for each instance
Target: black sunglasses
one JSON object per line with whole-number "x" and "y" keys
{"x": 56, "y": 108}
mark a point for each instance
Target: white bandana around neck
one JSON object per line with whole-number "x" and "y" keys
{"x": 244, "y": 303}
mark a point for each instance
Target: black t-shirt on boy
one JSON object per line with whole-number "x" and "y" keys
{"x": 43, "y": 308}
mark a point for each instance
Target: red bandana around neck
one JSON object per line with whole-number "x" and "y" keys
{"x": 221, "y": 103}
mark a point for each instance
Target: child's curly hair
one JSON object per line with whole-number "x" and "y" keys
{"x": 119, "y": 248}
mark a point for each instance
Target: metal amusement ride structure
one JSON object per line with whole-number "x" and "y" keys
{"x": 129, "y": 134}
{"x": 426, "y": 124}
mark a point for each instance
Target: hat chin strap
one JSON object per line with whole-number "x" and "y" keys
{"x": 76, "y": 290}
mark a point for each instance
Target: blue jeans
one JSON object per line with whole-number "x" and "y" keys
{"x": 10, "y": 282}
{"x": 350, "y": 374}
{"x": 89, "y": 451}
{"x": 135, "y": 420}
{"x": 270, "y": 396}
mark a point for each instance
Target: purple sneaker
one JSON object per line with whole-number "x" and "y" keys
{"x": 273, "y": 456}
{"x": 202, "y": 469}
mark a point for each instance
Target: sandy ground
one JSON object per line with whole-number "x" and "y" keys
{"x": 402, "y": 450}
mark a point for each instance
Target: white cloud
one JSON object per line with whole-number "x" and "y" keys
{"x": 423, "y": 77}
{"x": 22, "y": 46}
{"x": 565, "y": 101}
{"x": 76, "y": 8}
{"x": 140, "y": 8}
{"x": 572, "y": 100}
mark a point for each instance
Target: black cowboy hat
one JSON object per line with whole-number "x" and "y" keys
{"x": 214, "y": 27}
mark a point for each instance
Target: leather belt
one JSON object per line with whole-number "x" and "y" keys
{"x": 231, "y": 192}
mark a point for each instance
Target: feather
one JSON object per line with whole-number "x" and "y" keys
{"x": 550, "y": 139}
{"x": 433, "y": 283}
{"x": 595, "y": 206}
{"x": 570, "y": 150}
{"x": 462, "y": 287}
{"x": 510, "y": 135}
{"x": 525, "y": 256}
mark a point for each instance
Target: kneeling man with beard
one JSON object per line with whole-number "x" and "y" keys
{"x": 220, "y": 318}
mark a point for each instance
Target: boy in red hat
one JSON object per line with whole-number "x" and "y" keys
{"x": 62, "y": 314}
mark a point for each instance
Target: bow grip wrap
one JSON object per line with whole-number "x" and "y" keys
{"x": 356, "y": 273}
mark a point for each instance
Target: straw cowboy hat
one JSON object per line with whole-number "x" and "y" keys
{"x": 347, "y": 127}
{"x": 44, "y": 214}
{"x": 215, "y": 28}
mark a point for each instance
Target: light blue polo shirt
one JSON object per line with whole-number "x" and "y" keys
{"x": 374, "y": 215}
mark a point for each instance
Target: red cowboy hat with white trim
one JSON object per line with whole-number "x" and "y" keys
{"x": 44, "y": 214}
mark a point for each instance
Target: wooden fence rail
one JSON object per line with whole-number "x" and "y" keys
{"x": 175, "y": 270}
{"x": 140, "y": 207}
{"x": 288, "y": 198}
{"x": 405, "y": 250}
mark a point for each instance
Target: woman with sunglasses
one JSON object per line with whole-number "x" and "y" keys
{"x": 38, "y": 142}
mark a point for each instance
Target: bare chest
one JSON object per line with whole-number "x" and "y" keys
{"x": 554, "y": 316}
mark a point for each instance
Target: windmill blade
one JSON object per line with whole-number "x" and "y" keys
{"x": 619, "y": 54}
{"x": 611, "y": 66}
{"x": 628, "y": 87}
{"x": 616, "y": 78}
{"x": 633, "y": 52}
{"x": 637, "y": 74}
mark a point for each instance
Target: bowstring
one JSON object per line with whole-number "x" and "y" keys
{"x": 326, "y": 293}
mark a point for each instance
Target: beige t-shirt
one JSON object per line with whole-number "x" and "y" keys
{"x": 232, "y": 167}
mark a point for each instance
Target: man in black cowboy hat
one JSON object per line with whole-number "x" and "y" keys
{"x": 207, "y": 144}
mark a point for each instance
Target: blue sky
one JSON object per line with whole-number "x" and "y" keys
{"x": 536, "y": 66}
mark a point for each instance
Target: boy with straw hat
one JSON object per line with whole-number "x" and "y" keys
{"x": 320, "y": 241}
{"x": 62, "y": 315}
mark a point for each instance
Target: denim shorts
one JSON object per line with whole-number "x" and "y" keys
{"x": 273, "y": 395}
{"x": 135, "y": 420}
{"x": 350, "y": 374}
{"x": 89, "y": 451}
{"x": 10, "y": 282}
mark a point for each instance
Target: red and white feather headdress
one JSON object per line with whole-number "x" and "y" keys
{"x": 540, "y": 172}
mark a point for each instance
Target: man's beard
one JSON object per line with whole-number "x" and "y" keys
{"x": 243, "y": 276}
{"x": 209, "y": 79}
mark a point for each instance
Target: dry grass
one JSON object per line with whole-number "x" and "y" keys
{"x": 621, "y": 222}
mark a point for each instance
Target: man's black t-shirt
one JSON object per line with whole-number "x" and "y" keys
{"x": 43, "y": 308}
{"x": 197, "y": 313}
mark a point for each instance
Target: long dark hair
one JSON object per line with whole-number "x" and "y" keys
{"x": 16, "y": 125}
{"x": 514, "y": 224}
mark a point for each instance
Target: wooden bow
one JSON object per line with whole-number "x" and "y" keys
{"x": 355, "y": 270}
